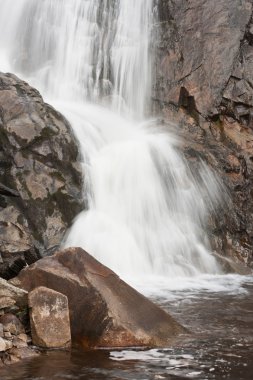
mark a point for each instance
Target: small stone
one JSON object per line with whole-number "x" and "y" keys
{"x": 18, "y": 343}
{"x": 9, "y": 344}
{"x": 3, "y": 346}
{"x": 6, "y": 302}
{"x": 23, "y": 337}
{"x": 12, "y": 359}
{"x": 49, "y": 318}
{"x": 23, "y": 353}
{"x": 12, "y": 324}
{"x": 7, "y": 334}
{"x": 1, "y": 330}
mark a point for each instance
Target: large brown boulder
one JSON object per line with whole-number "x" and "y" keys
{"x": 204, "y": 74}
{"x": 40, "y": 176}
{"x": 104, "y": 310}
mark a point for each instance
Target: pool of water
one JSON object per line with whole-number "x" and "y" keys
{"x": 217, "y": 310}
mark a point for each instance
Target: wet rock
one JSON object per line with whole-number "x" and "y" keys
{"x": 49, "y": 318}
{"x": 104, "y": 310}
{"x": 18, "y": 354}
{"x": 11, "y": 324}
{"x": 40, "y": 176}
{"x": 204, "y": 85}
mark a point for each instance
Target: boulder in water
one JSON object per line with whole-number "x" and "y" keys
{"x": 104, "y": 310}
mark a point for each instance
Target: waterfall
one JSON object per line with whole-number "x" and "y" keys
{"x": 91, "y": 59}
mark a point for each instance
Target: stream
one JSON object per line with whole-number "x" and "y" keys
{"x": 218, "y": 310}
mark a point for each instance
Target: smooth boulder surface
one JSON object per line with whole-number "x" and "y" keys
{"x": 40, "y": 176}
{"x": 49, "y": 318}
{"x": 204, "y": 84}
{"x": 104, "y": 310}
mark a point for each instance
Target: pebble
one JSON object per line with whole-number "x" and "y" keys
{"x": 2, "y": 345}
{"x": 23, "y": 337}
{"x": 9, "y": 344}
{"x": 19, "y": 343}
{"x": 7, "y": 334}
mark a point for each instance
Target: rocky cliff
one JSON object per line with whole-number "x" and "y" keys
{"x": 40, "y": 176}
{"x": 204, "y": 83}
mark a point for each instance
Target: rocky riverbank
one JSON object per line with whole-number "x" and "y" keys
{"x": 70, "y": 299}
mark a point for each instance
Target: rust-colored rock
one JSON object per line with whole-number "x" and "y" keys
{"x": 49, "y": 318}
{"x": 104, "y": 310}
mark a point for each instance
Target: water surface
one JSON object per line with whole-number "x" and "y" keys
{"x": 219, "y": 313}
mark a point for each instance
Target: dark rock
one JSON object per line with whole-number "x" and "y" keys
{"x": 49, "y": 318}
{"x": 204, "y": 71}
{"x": 104, "y": 310}
{"x": 198, "y": 49}
{"x": 40, "y": 176}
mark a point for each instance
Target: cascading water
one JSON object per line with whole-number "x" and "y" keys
{"x": 91, "y": 59}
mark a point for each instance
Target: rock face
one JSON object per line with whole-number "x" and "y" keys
{"x": 204, "y": 83}
{"x": 40, "y": 176}
{"x": 104, "y": 310}
{"x": 49, "y": 318}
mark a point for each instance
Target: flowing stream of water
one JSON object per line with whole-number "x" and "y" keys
{"x": 146, "y": 213}
{"x": 91, "y": 59}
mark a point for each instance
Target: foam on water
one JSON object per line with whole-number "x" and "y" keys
{"x": 91, "y": 58}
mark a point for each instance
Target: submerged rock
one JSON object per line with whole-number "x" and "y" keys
{"x": 40, "y": 176}
{"x": 49, "y": 318}
{"x": 104, "y": 310}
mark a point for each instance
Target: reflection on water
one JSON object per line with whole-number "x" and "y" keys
{"x": 221, "y": 346}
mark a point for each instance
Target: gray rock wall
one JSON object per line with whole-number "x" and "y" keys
{"x": 40, "y": 176}
{"x": 204, "y": 83}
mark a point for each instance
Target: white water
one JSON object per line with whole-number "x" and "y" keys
{"x": 91, "y": 59}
